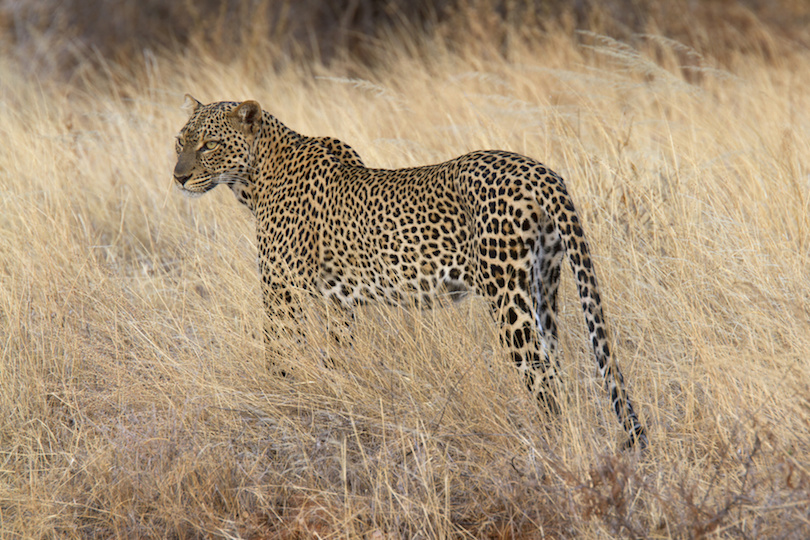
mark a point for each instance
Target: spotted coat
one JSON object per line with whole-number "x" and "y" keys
{"x": 492, "y": 222}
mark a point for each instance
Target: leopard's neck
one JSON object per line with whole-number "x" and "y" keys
{"x": 269, "y": 151}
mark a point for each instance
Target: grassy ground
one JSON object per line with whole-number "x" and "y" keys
{"x": 134, "y": 399}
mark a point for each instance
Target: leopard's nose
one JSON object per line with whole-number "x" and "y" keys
{"x": 182, "y": 171}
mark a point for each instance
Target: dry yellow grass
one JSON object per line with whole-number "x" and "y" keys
{"x": 134, "y": 399}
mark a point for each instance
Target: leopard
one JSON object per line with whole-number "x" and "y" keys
{"x": 493, "y": 223}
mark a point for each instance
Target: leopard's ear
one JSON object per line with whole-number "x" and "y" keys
{"x": 249, "y": 116}
{"x": 191, "y": 104}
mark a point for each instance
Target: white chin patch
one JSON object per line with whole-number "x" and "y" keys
{"x": 192, "y": 194}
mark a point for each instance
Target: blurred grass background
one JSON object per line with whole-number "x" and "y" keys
{"x": 307, "y": 30}
{"x": 134, "y": 397}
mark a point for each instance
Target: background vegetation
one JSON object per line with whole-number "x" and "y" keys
{"x": 134, "y": 398}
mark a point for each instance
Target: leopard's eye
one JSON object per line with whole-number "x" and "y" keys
{"x": 210, "y": 145}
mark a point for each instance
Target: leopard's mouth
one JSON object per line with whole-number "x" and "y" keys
{"x": 192, "y": 186}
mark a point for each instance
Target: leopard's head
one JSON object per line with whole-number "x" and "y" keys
{"x": 215, "y": 146}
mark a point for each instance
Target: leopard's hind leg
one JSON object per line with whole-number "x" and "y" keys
{"x": 519, "y": 272}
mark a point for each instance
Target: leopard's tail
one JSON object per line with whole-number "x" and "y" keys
{"x": 560, "y": 208}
